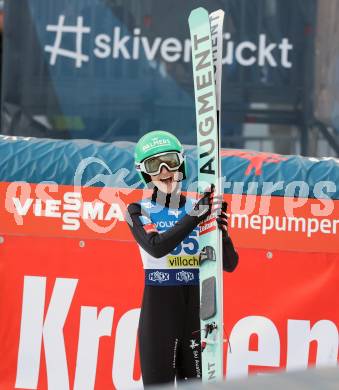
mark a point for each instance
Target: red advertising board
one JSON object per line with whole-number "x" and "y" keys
{"x": 71, "y": 283}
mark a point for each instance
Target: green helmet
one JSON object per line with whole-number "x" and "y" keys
{"x": 156, "y": 142}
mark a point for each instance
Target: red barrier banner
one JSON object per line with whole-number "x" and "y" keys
{"x": 69, "y": 300}
{"x": 69, "y": 313}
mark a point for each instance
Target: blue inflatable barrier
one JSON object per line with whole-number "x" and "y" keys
{"x": 84, "y": 162}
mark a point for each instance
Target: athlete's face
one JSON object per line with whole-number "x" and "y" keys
{"x": 166, "y": 181}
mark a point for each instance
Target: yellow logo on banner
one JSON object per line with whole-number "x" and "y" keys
{"x": 180, "y": 261}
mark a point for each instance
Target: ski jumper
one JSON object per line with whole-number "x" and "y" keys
{"x": 169, "y": 337}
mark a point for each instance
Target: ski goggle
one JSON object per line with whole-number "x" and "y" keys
{"x": 152, "y": 165}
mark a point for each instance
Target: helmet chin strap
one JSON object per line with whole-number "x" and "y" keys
{"x": 171, "y": 199}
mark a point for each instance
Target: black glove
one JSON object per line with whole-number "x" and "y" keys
{"x": 206, "y": 205}
{"x": 222, "y": 220}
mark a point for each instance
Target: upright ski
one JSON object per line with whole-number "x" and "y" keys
{"x": 206, "y": 37}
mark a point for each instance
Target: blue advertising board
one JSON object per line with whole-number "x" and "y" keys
{"x": 112, "y": 70}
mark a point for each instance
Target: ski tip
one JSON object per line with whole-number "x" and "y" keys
{"x": 198, "y": 15}
{"x": 217, "y": 14}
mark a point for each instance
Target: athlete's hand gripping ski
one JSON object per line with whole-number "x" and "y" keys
{"x": 208, "y": 204}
